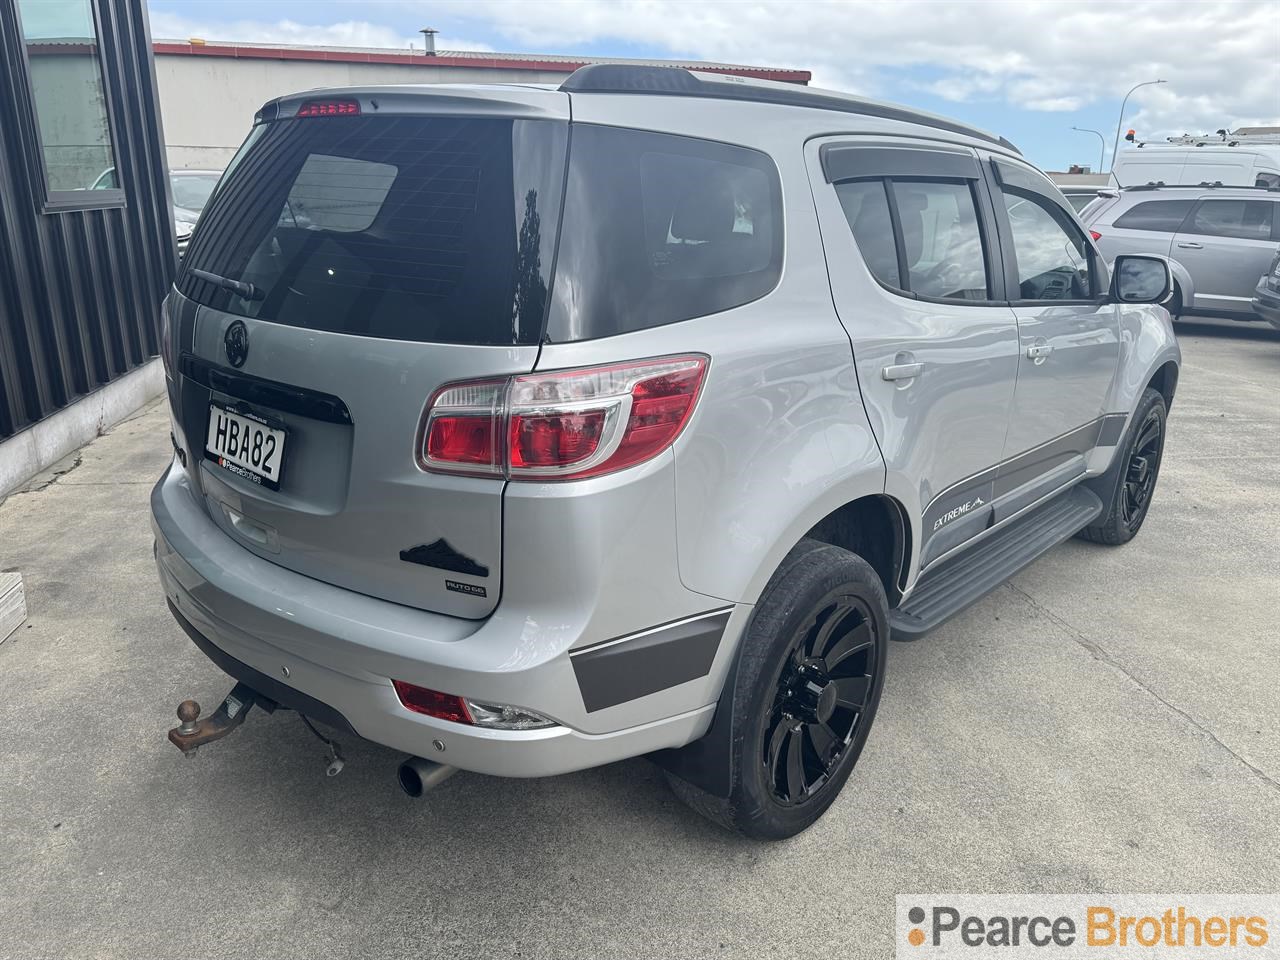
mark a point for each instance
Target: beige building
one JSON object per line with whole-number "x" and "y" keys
{"x": 209, "y": 91}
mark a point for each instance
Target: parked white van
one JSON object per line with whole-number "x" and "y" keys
{"x": 1241, "y": 165}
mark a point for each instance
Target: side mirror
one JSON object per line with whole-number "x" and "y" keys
{"x": 1137, "y": 279}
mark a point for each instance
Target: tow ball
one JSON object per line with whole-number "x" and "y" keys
{"x": 191, "y": 733}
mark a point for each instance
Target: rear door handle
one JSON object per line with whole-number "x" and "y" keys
{"x": 901, "y": 371}
{"x": 1039, "y": 351}
{"x": 1190, "y": 245}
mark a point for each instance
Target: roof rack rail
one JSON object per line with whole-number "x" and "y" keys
{"x": 681, "y": 82}
{"x": 1202, "y": 185}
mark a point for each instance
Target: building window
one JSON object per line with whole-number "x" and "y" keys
{"x": 70, "y": 103}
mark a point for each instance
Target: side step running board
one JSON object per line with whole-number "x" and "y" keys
{"x": 964, "y": 579}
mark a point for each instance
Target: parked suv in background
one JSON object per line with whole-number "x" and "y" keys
{"x": 1221, "y": 240}
{"x": 527, "y": 445}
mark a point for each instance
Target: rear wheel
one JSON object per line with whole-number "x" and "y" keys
{"x": 807, "y": 689}
{"x": 1133, "y": 476}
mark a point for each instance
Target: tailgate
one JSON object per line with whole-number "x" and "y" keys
{"x": 349, "y": 266}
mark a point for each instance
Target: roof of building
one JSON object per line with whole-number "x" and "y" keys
{"x": 474, "y": 59}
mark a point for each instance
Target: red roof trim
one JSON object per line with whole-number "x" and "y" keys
{"x": 418, "y": 59}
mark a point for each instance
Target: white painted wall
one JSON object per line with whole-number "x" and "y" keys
{"x": 207, "y": 103}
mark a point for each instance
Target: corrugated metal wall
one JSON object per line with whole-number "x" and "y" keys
{"x": 80, "y": 290}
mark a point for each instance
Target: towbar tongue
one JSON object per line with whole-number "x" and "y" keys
{"x": 193, "y": 732}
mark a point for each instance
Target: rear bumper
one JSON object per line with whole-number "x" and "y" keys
{"x": 341, "y": 649}
{"x": 1266, "y": 303}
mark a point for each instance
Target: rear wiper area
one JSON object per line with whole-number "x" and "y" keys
{"x": 239, "y": 287}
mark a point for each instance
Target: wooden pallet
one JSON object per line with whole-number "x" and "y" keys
{"x": 13, "y": 604}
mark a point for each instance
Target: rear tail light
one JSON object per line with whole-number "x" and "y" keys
{"x": 431, "y": 703}
{"x": 448, "y": 706}
{"x": 565, "y": 425}
{"x": 329, "y": 108}
{"x": 1096, "y": 235}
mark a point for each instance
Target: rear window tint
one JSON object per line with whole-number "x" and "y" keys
{"x": 411, "y": 228}
{"x": 1166, "y": 215}
{"x": 660, "y": 228}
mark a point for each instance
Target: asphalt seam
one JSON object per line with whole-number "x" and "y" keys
{"x": 1098, "y": 652}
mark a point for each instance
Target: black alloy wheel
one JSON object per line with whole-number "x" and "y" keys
{"x": 1128, "y": 486}
{"x": 1142, "y": 469}
{"x": 801, "y": 699}
{"x": 820, "y": 700}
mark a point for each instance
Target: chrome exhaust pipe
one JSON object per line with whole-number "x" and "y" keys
{"x": 418, "y": 775}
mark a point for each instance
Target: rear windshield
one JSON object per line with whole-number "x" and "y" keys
{"x": 433, "y": 229}
{"x": 661, "y": 228}
{"x": 444, "y": 229}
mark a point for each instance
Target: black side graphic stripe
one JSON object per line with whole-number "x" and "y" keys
{"x": 1026, "y": 466}
{"x": 1102, "y": 424}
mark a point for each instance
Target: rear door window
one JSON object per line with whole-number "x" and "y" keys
{"x": 942, "y": 240}
{"x": 918, "y": 235}
{"x": 436, "y": 229}
{"x": 1162, "y": 215}
{"x": 660, "y": 228}
{"x": 1242, "y": 219}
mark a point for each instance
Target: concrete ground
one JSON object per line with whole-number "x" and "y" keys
{"x": 1106, "y": 722}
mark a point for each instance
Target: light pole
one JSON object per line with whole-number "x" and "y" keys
{"x": 1120, "y": 123}
{"x": 1102, "y": 157}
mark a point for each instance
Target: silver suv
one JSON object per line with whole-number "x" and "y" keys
{"x": 1221, "y": 240}
{"x": 525, "y": 430}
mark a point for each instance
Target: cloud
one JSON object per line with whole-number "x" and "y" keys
{"x": 1222, "y": 59}
{"x": 348, "y": 33}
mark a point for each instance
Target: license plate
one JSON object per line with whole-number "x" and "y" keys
{"x": 246, "y": 445}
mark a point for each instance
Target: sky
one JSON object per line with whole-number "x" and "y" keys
{"x": 1028, "y": 70}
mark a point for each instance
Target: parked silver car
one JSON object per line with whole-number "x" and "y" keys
{"x": 191, "y": 190}
{"x": 1221, "y": 240}
{"x": 523, "y": 444}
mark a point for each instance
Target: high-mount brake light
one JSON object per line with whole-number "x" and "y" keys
{"x": 329, "y": 108}
{"x": 565, "y": 425}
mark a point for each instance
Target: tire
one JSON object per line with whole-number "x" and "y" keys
{"x": 792, "y": 705}
{"x": 1129, "y": 485}
{"x": 1175, "y": 303}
